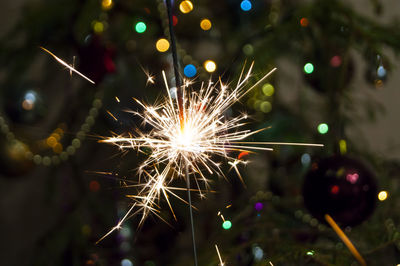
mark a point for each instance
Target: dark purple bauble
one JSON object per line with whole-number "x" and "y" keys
{"x": 341, "y": 187}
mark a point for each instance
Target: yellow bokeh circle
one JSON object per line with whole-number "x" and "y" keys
{"x": 162, "y": 45}
{"x": 186, "y": 7}
{"x": 205, "y": 24}
{"x": 210, "y": 66}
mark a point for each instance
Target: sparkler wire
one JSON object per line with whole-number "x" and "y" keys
{"x": 191, "y": 213}
{"x": 180, "y": 110}
{"x": 175, "y": 60}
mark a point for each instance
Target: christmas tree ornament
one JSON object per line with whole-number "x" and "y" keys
{"x": 341, "y": 187}
{"x": 377, "y": 70}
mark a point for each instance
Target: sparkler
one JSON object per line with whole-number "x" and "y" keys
{"x": 197, "y": 136}
{"x": 189, "y": 135}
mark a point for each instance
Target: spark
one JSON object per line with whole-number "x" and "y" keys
{"x": 221, "y": 263}
{"x": 108, "y": 112}
{"x": 117, "y": 99}
{"x": 150, "y": 77}
{"x": 71, "y": 68}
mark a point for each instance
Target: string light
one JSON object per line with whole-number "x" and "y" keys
{"x": 162, "y": 45}
{"x": 336, "y": 61}
{"x": 98, "y": 27}
{"x": 185, "y": 7}
{"x": 323, "y": 128}
{"x": 245, "y": 5}
{"x": 265, "y": 107}
{"x": 305, "y": 159}
{"x": 304, "y": 22}
{"x": 308, "y": 68}
{"x": 140, "y": 27}
{"x": 205, "y": 24}
{"x": 343, "y": 146}
{"x": 174, "y": 20}
{"x": 106, "y": 4}
{"x": 383, "y": 195}
{"x": 258, "y": 206}
{"x": 189, "y": 71}
{"x": 268, "y": 89}
{"x": 227, "y": 225}
{"x": 210, "y": 66}
{"x": 248, "y": 49}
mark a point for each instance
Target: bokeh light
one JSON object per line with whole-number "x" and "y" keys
{"x": 245, "y": 5}
{"x": 189, "y": 70}
{"x": 162, "y": 45}
{"x": 352, "y": 178}
{"x": 343, "y": 146}
{"x": 29, "y": 100}
{"x": 51, "y": 141}
{"x": 126, "y": 262}
{"x": 335, "y": 189}
{"x": 205, "y": 24}
{"x": 58, "y": 148}
{"x": 382, "y": 195}
{"x": 323, "y": 128}
{"x": 248, "y": 49}
{"x": 94, "y": 186}
{"x": 98, "y": 27}
{"x": 106, "y": 4}
{"x": 258, "y": 206}
{"x": 336, "y": 61}
{"x": 308, "y": 68}
{"x": 140, "y": 27}
{"x": 185, "y": 7}
{"x": 304, "y": 22}
{"x": 258, "y": 253}
{"x": 174, "y": 20}
{"x": 210, "y": 66}
{"x": 227, "y": 225}
{"x": 265, "y": 107}
{"x": 310, "y": 253}
{"x": 268, "y": 89}
{"x": 305, "y": 159}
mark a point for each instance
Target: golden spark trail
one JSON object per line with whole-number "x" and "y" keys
{"x": 221, "y": 263}
{"x": 66, "y": 65}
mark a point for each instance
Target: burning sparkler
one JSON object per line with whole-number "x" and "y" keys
{"x": 192, "y": 135}
{"x": 197, "y": 137}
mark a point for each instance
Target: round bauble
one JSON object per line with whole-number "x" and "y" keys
{"x": 342, "y": 187}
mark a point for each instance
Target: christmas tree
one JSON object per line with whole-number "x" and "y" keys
{"x": 76, "y": 74}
